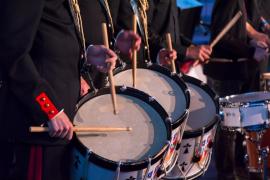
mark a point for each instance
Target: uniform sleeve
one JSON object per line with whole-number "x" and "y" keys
{"x": 19, "y": 24}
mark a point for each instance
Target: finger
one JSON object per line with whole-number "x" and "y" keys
{"x": 53, "y": 127}
{"x": 201, "y": 58}
{"x": 110, "y": 53}
{"x": 206, "y": 51}
{"x": 70, "y": 133}
{"x": 196, "y": 63}
{"x": 205, "y": 56}
{"x": 65, "y": 124}
{"x": 59, "y": 129}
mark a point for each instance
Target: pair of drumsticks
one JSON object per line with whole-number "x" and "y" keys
{"x": 134, "y": 73}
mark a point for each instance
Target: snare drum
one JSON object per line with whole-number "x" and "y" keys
{"x": 135, "y": 154}
{"x": 196, "y": 146}
{"x": 249, "y": 111}
{"x": 170, "y": 91}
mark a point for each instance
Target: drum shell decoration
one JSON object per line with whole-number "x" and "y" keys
{"x": 88, "y": 164}
{"x": 196, "y": 145}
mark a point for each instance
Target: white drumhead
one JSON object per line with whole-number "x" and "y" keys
{"x": 164, "y": 89}
{"x": 202, "y": 108}
{"x": 147, "y": 138}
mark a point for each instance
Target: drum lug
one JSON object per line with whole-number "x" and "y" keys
{"x": 149, "y": 64}
{"x": 118, "y": 171}
{"x": 148, "y": 168}
{"x": 123, "y": 88}
{"x": 246, "y": 158}
{"x": 169, "y": 119}
{"x": 151, "y": 99}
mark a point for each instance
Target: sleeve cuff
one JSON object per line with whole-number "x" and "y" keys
{"x": 46, "y": 105}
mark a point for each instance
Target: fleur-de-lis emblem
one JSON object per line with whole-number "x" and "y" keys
{"x": 131, "y": 178}
{"x": 186, "y": 146}
{"x": 77, "y": 162}
{"x": 183, "y": 165}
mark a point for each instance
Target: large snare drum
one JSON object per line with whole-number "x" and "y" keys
{"x": 136, "y": 154}
{"x": 170, "y": 91}
{"x": 196, "y": 146}
{"x": 249, "y": 111}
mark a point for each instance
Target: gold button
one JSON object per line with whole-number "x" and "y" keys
{"x": 52, "y": 112}
{"x": 47, "y": 105}
{"x": 109, "y": 25}
{"x": 145, "y": 47}
{"x": 43, "y": 99}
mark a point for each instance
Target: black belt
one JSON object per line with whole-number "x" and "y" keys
{"x": 221, "y": 60}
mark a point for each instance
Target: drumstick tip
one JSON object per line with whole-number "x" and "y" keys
{"x": 129, "y": 128}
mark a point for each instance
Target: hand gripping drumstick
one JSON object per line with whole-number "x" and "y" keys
{"x": 134, "y": 53}
{"x": 113, "y": 93}
{"x": 84, "y": 129}
{"x": 169, "y": 47}
{"x": 228, "y": 26}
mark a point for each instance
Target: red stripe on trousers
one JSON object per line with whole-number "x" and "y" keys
{"x": 35, "y": 163}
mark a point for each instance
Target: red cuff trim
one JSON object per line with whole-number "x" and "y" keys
{"x": 46, "y": 105}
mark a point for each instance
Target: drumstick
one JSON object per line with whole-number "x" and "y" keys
{"x": 169, "y": 47}
{"x": 112, "y": 86}
{"x": 84, "y": 129}
{"x": 134, "y": 53}
{"x": 228, "y": 26}
{"x": 226, "y": 29}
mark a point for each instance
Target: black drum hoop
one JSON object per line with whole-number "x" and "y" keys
{"x": 175, "y": 77}
{"x": 214, "y": 97}
{"x": 125, "y": 166}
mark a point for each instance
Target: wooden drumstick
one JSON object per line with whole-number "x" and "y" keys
{"x": 84, "y": 129}
{"x": 134, "y": 53}
{"x": 228, "y": 26}
{"x": 112, "y": 86}
{"x": 170, "y": 48}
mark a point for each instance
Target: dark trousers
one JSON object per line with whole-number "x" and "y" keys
{"x": 14, "y": 162}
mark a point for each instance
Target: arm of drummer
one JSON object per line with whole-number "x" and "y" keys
{"x": 103, "y": 58}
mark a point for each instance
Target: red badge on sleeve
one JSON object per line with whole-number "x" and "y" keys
{"x": 46, "y": 105}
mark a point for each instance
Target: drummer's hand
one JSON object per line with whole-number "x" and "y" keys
{"x": 261, "y": 37}
{"x": 165, "y": 56}
{"x": 103, "y": 58}
{"x": 200, "y": 53}
{"x": 60, "y": 126}
{"x": 126, "y": 41}
{"x": 84, "y": 87}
